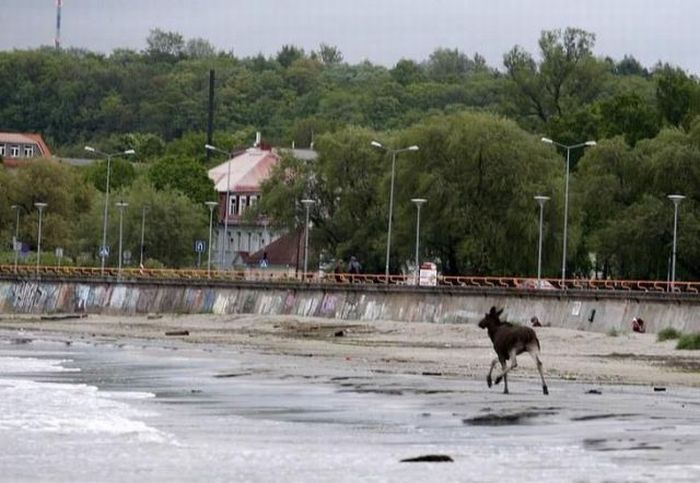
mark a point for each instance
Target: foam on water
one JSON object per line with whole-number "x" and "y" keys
{"x": 65, "y": 408}
{"x": 28, "y": 365}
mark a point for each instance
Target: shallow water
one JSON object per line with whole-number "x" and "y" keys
{"x": 127, "y": 411}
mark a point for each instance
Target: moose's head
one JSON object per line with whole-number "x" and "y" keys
{"x": 491, "y": 318}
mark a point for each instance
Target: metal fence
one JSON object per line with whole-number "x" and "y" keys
{"x": 282, "y": 277}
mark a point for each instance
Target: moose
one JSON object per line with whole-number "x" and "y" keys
{"x": 509, "y": 341}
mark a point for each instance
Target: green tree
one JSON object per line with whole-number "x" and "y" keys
{"x": 567, "y": 76}
{"x": 184, "y": 175}
{"x": 173, "y": 223}
{"x": 122, "y": 173}
{"x": 675, "y": 94}
{"x": 165, "y": 46}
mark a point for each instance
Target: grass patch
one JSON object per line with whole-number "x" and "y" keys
{"x": 689, "y": 342}
{"x": 613, "y": 332}
{"x": 667, "y": 334}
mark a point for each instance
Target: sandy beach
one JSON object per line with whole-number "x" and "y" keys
{"x": 313, "y": 345}
{"x": 258, "y": 398}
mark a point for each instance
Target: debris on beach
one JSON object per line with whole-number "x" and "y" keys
{"x": 177, "y": 332}
{"x": 429, "y": 458}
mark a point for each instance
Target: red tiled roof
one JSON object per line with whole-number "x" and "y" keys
{"x": 26, "y": 138}
{"x": 286, "y": 250}
{"x": 247, "y": 171}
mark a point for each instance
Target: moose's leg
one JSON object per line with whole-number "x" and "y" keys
{"x": 536, "y": 356}
{"x": 488, "y": 377}
{"x": 506, "y": 370}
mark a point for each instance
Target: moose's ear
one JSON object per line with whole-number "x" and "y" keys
{"x": 499, "y": 312}
{"x": 492, "y": 311}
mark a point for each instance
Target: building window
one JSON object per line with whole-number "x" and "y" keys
{"x": 249, "y": 236}
{"x": 262, "y": 239}
{"x": 28, "y": 151}
{"x": 15, "y": 151}
{"x": 252, "y": 200}
{"x": 242, "y": 205}
{"x": 233, "y": 203}
{"x": 2, "y": 150}
{"x": 238, "y": 245}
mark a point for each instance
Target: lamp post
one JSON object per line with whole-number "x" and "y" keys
{"x": 418, "y": 202}
{"x": 393, "y": 153}
{"x": 15, "y": 245}
{"x": 211, "y": 205}
{"x": 676, "y": 199}
{"x": 40, "y": 206}
{"x": 566, "y": 195}
{"x": 143, "y": 232}
{"x": 103, "y": 248}
{"x": 307, "y": 204}
{"x": 121, "y": 205}
{"x": 541, "y": 200}
{"x": 224, "y": 244}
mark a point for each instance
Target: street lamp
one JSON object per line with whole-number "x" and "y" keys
{"x": 393, "y": 153}
{"x": 307, "y": 203}
{"x": 40, "y": 206}
{"x": 211, "y": 205}
{"x": 418, "y": 202}
{"x": 103, "y": 248}
{"x": 224, "y": 244}
{"x": 15, "y": 245}
{"x": 566, "y": 195}
{"x": 121, "y": 205}
{"x": 676, "y": 201}
{"x": 541, "y": 200}
{"x": 143, "y": 232}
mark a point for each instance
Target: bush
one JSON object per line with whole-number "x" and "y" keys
{"x": 689, "y": 342}
{"x": 667, "y": 334}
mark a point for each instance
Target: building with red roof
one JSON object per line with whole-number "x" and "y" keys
{"x": 16, "y": 147}
{"x": 247, "y": 241}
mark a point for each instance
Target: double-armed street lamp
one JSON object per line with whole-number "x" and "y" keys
{"x": 676, "y": 199}
{"x": 39, "y": 206}
{"x": 307, "y": 204}
{"x": 211, "y": 205}
{"x": 418, "y": 202}
{"x": 541, "y": 200}
{"x": 109, "y": 156}
{"x": 224, "y": 240}
{"x": 121, "y": 205}
{"x": 568, "y": 149}
{"x": 393, "y": 153}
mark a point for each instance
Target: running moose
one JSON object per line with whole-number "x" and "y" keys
{"x": 508, "y": 341}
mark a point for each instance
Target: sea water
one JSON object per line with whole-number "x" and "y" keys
{"x": 72, "y": 411}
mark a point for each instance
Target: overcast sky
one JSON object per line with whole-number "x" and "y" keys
{"x": 382, "y": 31}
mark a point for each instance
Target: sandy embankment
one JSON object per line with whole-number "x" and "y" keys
{"x": 455, "y": 350}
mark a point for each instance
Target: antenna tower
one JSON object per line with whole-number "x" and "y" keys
{"x": 57, "y": 39}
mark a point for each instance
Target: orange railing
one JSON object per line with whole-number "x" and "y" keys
{"x": 281, "y": 277}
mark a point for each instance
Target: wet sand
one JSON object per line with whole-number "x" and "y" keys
{"x": 623, "y": 408}
{"x": 453, "y": 350}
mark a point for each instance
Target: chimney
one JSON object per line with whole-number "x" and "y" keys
{"x": 257, "y": 140}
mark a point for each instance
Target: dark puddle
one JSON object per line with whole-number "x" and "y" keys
{"x": 507, "y": 419}
{"x": 594, "y": 444}
{"x": 594, "y": 417}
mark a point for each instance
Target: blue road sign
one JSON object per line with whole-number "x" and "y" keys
{"x": 200, "y": 246}
{"x": 104, "y": 251}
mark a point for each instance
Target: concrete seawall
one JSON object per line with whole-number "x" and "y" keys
{"x": 595, "y": 311}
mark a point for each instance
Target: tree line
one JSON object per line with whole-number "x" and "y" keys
{"x": 478, "y": 128}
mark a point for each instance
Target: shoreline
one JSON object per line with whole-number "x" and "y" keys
{"x": 311, "y": 346}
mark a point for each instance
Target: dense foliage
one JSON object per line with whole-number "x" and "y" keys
{"x": 479, "y": 165}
